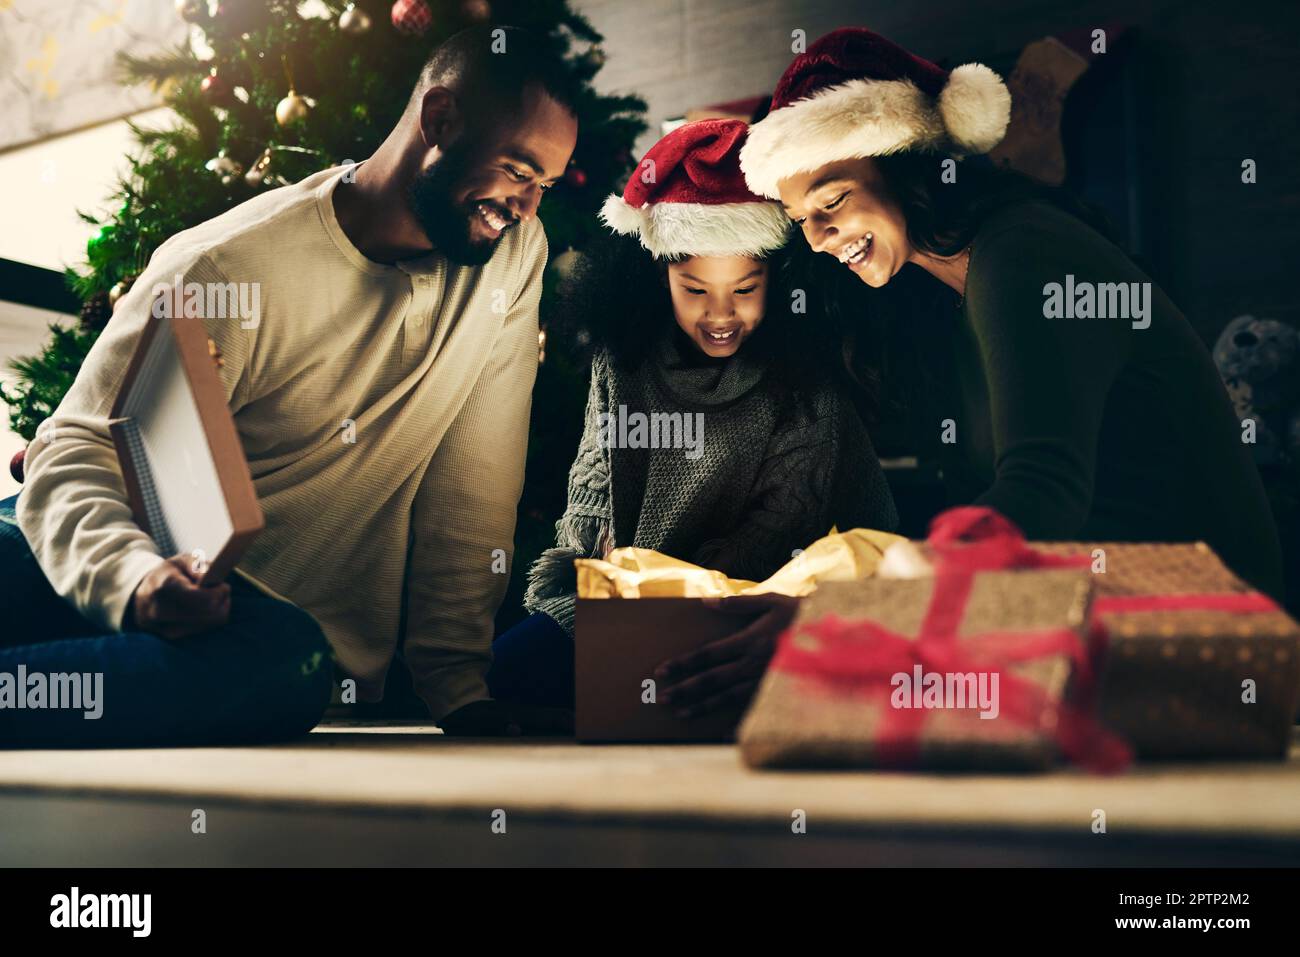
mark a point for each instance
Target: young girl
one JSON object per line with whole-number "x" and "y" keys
{"x": 1104, "y": 423}
{"x": 759, "y": 451}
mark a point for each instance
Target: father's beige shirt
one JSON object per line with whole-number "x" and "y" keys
{"x": 384, "y": 413}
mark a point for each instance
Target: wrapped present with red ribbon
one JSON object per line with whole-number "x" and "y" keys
{"x": 1199, "y": 665}
{"x": 988, "y": 664}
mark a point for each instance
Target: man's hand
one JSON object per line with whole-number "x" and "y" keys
{"x": 170, "y": 603}
{"x": 725, "y": 673}
{"x": 502, "y": 719}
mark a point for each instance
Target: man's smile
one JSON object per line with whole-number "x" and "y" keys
{"x": 493, "y": 219}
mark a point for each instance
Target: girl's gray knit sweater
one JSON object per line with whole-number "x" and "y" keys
{"x": 775, "y": 471}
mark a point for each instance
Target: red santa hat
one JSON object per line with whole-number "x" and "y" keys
{"x": 687, "y": 197}
{"x": 854, "y": 94}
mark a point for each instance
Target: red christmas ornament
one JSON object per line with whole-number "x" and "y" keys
{"x": 16, "y": 465}
{"x": 575, "y": 176}
{"x": 412, "y": 17}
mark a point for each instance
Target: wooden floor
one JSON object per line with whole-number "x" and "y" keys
{"x": 406, "y": 795}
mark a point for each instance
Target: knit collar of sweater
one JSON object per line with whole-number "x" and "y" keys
{"x": 695, "y": 380}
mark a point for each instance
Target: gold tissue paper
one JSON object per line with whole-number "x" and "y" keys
{"x": 643, "y": 573}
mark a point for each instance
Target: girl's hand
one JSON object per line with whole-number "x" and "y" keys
{"x": 725, "y": 673}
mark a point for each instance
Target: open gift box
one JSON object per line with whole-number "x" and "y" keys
{"x": 638, "y": 608}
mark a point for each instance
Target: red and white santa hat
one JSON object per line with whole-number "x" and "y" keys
{"x": 854, "y": 94}
{"x": 687, "y": 197}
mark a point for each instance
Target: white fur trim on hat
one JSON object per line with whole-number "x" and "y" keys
{"x": 699, "y": 229}
{"x": 874, "y": 118}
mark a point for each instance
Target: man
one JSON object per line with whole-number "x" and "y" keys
{"x": 382, "y": 399}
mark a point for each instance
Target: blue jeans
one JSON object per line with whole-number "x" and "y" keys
{"x": 266, "y": 675}
{"x": 532, "y": 664}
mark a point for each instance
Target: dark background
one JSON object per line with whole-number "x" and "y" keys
{"x": 1210, "y": 84}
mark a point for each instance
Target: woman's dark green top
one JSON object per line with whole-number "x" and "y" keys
{"x": 1083, "y": 428}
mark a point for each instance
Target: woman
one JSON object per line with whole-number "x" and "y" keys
{"x": 1053, "y": 379}
{"x": 762, "y": 453}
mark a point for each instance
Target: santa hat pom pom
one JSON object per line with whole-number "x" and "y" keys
{"x": 976, "y": 108}
{"x": 621, "y": 217}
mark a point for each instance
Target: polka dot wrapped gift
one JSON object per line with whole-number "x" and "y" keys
{"x": 1197, "y": 664}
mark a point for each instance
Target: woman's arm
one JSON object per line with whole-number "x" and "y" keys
{"x": 1048, "y": 378}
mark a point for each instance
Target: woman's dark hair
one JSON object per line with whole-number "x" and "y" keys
{"x": 617, "y": 298}
{"x": 942, "y": 219}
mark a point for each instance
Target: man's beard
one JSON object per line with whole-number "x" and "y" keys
{"x": 450, "y": 224}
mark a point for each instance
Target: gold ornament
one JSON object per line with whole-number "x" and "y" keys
{"x": 565, "y": 267}
{"x": 292, "y": 108}
{"x": 476, "y": 10}
{"x": 566, "y": 262}
{"x": 354, "y": 21}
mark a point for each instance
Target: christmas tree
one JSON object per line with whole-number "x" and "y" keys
{"x": 269, "y": 96}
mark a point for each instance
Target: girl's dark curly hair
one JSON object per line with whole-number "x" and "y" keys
{"x": 618, "y": 295}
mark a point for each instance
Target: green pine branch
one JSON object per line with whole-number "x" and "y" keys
{"x": 360, "y": 85}
{"x": 157, "y": 70}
